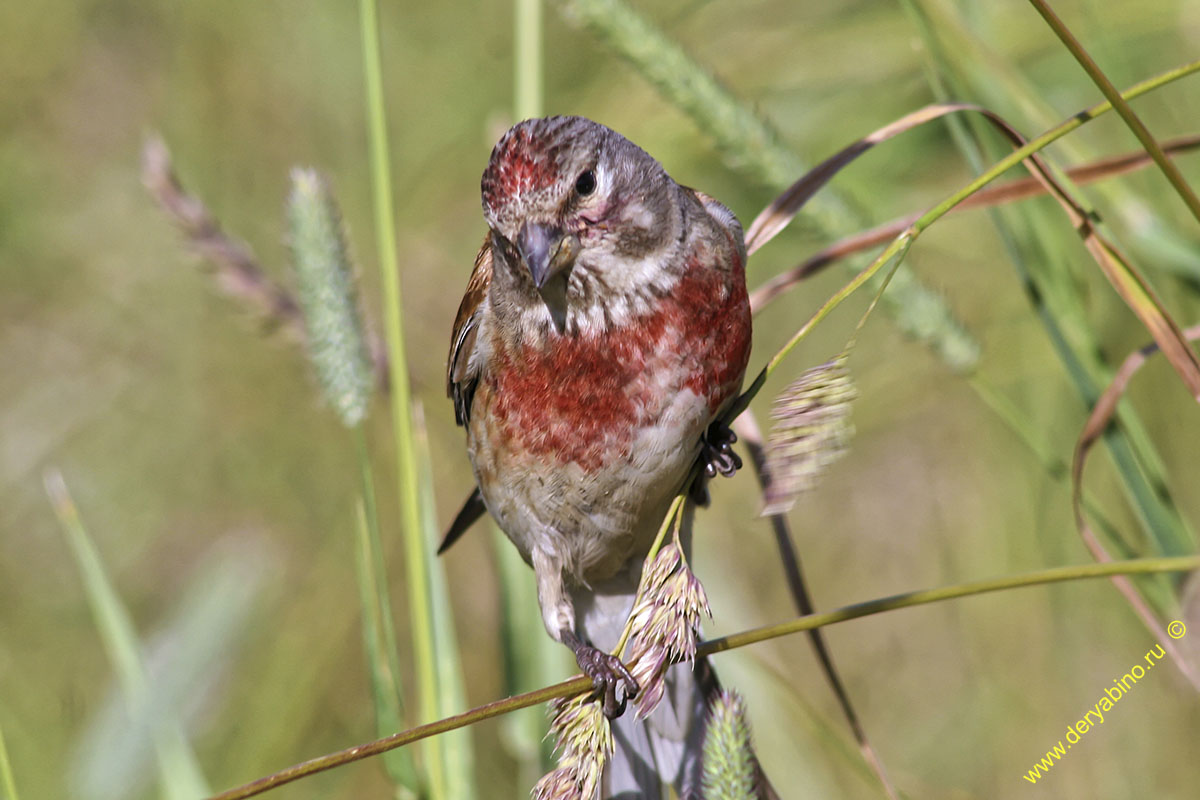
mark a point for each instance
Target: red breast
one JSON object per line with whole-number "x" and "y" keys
{"x": 582, "y": 398}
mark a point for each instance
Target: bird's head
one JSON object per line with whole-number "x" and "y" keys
{"x": 586, "y": 212}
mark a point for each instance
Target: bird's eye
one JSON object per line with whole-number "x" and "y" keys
{"x": 585, "y": 184}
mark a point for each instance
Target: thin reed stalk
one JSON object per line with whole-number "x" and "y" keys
{"x": 420, "y": 612}
{"x": 582, "y": 683}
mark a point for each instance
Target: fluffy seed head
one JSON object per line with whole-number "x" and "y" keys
{"x": 666, "y": 623}
{"x": 729, "y": 768}
{"x": 812, "y": 430}
{"x": 325, "y": 278}
{"x": 584, "y": 743}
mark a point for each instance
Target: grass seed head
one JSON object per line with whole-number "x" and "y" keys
{"x": 812, "y": 430}
{"x": 325, "y": 278}
{"x": 584, "y": 742}
{"x": 729, "y": 769}
{"x": 666, "y": 624}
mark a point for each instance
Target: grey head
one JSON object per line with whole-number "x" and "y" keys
{"x": 583, "y": 216}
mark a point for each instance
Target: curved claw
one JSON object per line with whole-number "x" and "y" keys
{"x": 608, "y": 675}
{"x": 725, "y": 461}
{"x": 717, "y": 456}
{"x": 612, "y": 706}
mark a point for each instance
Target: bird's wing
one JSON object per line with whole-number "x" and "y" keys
{"x": 726, "y": 219}
{"x": 462, "y": 375}
{"x": 462, "y": 371}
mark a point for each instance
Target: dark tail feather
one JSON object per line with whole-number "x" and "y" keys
{"x": 471, "y": 511}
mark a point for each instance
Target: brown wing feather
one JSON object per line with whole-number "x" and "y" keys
{"x": 460, "y": 379}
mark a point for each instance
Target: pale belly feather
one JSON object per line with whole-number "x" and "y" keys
{"x": 593, "y": 518}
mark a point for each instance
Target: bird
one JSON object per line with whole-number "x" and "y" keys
{"x": 604, "y": 330}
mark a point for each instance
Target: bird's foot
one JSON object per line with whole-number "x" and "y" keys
{"x": 716, "y": 457}
{"x": 614, "y": 684}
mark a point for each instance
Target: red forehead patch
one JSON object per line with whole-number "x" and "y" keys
{"x": 521, "y": 162}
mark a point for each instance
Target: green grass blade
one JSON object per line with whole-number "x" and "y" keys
{"x": 975, "y": 70}
{"x": 904, "y": 240}
{"x": 755, "y": 148}
{"x": 1110, "y": 92}
{"x": 193, "y": 646}
{"x": 530, "y": 656}
{"x": 1054, "y": 294}
{"x": 383, "y": 658}
{"x": 527, "y": 59}
{"x": 1001, "y": 84}
{"x": 178, "y": 768}
{"x": 531, "y": 659}
{"x": 458, "y": 750}
{"x": 421, "y": 615}
{"x": 8, "y": 783}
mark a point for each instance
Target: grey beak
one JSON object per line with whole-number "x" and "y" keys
{"x": 538, "y": 245}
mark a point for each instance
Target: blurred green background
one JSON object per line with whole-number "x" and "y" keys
{"x": 220, "y": 492}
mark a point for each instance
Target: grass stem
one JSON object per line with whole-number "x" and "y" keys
{"x": 1121, "y": 105}
{"x": 581, "y": 683}
{"x": 420, "y": 613}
